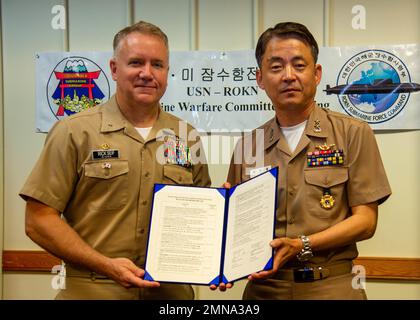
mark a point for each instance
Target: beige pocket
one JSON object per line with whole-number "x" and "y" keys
{"x": 106, "y": 183}
{"x": 106, "y": 169}
{"x": 326, "y": 177}
{"x": 177, "y": 174}
{"x": 320, "y": 179}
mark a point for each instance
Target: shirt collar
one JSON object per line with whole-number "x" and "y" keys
{"x": 272, "y": 134}
{"x": 165, "y": 125}
{"x": 112, "y": 118}
{"x": 317, "y": 126}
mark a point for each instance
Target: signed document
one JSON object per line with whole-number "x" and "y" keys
{"x": 210, "y": 235}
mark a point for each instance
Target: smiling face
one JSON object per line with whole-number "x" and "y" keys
{"x": 140, "y": 68}
{"x": 288, "y": 74}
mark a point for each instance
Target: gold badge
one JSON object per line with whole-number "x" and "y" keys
{"x": 327, "y": 200}
{"x": 317, "y": 126}
{"x": 104, "y": 146}
{"x": 325, "y": 147}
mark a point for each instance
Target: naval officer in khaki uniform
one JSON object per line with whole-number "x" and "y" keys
{"x": 331, "y": 177}
{"x": 98, "y": 169}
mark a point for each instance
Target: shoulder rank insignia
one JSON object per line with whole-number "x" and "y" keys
{"x": 325, "y": 155}
{"x": 317, "y": 126}
{"x": 176, "y": 152}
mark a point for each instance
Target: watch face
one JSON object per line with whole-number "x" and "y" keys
{"x": 306, "y": 255}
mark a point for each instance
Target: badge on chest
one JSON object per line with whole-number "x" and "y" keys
{"x": 325, "y": 155}
{"x": 327, "y": 200}
{"x": 105, "y": 153}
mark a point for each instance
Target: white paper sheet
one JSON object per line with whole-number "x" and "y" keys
{"x": 186, "y": 241}
{"x": 250, "y": 227}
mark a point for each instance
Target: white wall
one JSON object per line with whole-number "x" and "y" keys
{"x": 201, "y": 25}
{"x": 176, "y": 18}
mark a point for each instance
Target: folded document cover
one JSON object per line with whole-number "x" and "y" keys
{"x": 206, "y": 236}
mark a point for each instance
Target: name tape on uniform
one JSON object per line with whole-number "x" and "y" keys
{"x": 105, "y": 154}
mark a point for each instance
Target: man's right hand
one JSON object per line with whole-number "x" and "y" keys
{"x": 127, "y": 274}
{"x": 45, "y": 227}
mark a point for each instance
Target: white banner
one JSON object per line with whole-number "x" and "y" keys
{"x": 379, "y": 85}
{"x": 217, "y": 91}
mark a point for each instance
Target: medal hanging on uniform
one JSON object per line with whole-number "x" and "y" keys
{"x": 176, "y": 152}
{"x": 327, "y": 200}
{"x": 325, "y": 155}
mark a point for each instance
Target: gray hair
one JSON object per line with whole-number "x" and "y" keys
{"x": 140, "y": 27}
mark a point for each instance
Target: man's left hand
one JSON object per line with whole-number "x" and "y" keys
{"x": 222, "y": 286}
{"x": 285, "y": 249}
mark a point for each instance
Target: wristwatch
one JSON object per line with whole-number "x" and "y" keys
{"x": 306, "y": 253}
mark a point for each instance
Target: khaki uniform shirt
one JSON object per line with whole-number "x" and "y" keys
{"x": 108, "y": 201}
{"x": 361, "y": 179}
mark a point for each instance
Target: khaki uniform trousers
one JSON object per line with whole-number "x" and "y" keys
{"x": 83, "y": 288}
{"x": 331, "y": 288}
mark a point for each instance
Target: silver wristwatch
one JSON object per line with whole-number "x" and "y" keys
{"x": 306, "y": 253}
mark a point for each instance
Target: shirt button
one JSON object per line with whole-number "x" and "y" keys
{"x": 142, "y": 231}
{"x": 146, "y": 174}
{"x": 144, "y": 202}
{"x": 291, "y": 221}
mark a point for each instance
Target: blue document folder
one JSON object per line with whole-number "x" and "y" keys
{"x": 206, "y": 236}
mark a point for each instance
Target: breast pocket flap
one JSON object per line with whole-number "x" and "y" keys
{"x": 326, "y": 177}
{"x": 178, "y": 174}
{"x": 106, "y": 169}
